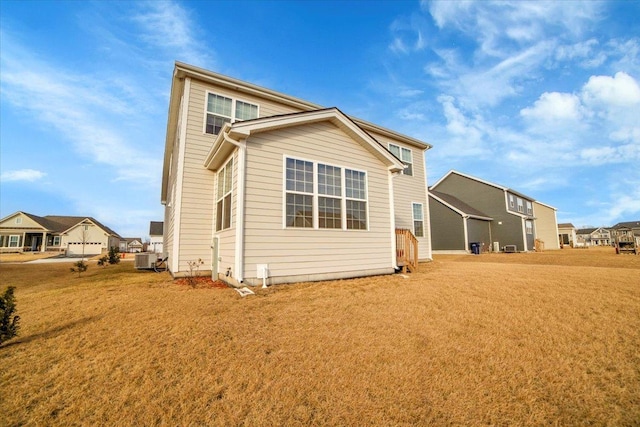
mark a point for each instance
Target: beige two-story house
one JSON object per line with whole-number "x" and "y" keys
{"x": 264, "y": 187}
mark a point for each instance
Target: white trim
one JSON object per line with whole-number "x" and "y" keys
{"x": 428, "y": 211}
{"x": 17, "y": 242}
{"x": 177, "y": 203}
{"x": 392, "y": 219}
{"x": 524, "y": 235}
{"x": 240, "y": 187}
{"x": 466, "y": 233}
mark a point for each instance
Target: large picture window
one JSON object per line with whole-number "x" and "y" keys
{"x": 223, "y": 196}
{"x": 221, "y": 110}
{"x": 324, "y": 196}
{"x": 405, "y": 155}
{"x": 14, "y": 241}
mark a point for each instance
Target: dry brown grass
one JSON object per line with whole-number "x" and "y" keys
{"x": 26, "y": 256}
{"x": 520, "y": 339}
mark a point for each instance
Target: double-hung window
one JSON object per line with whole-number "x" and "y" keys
{"x": 14, "y": 241}
{"x": 318, "y": 195}
{"x": 223, "y": 196}
{"x": 520, "y": 205}
{"x": 405, "y": 155}
{"x": 529, "y": 208}
{"x": 512, "y": 203}
{"x": 221, "y": 110}
{"x": 418, "y": 220}
{"x": 529, "y": 226}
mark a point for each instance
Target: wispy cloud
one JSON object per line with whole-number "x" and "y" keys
{"x": 29, "y": 175}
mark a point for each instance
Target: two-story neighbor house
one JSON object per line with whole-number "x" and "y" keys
{"x": 510, "y": 216}
{"x": 72, "y": 235}
{"x": 259, "y": 184}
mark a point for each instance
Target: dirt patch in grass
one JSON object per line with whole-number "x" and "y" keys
{"x": 462, "y": 342}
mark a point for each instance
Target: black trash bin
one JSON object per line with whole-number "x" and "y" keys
{"x": 475, "y": 248}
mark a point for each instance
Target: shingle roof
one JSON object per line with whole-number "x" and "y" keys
{"x": 156, "y": 228}
{"x": 629, "y": 224}
{"x": 66, "y": 222}
{"x": 459, "y": 204}
{"x": 566, "y": 225}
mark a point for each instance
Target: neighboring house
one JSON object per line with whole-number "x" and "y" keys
{"x": 455, "y": 225}
{"x": 258, "y": 183}
{"x": 566, "y": 234}
{"x": 131, "y": 244}
{"x": 625, "y": 229}
{"x": 546, "y": 225}
{"x": 593, "y": 237}
{"x": 73, "y": 235}
{"x": 511, "y": 215}
{"x": 156, "y": 236}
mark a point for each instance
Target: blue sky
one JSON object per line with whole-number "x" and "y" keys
{"x": 542, "y": 97}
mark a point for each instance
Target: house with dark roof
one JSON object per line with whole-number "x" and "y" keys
{"x": 502, "y": 217}
{"x": 594, "y": 236}
{"x": 72, "y": 235}
{"x": 131, "y": 244}
{"x": 455, "y": 224}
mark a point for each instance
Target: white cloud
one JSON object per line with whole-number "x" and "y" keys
{"x": 620, "y": 90}
{"x": 29, "y": 175}
{"x": 553, "y": 106}
{"x": 168, "y": 26}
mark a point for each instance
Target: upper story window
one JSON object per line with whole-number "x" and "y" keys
{"x": 529, "y": 208}
{"x": 19, "y": 220}
{"x": 512, "y": 203}
{"x": 221, "y": 110}
{"x": 520, "y": 205}
{"x": 405, "y": 155}
{"x": 324, "y": 196}
{"x": 223, "y": 196}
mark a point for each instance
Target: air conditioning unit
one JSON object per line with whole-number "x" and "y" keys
{"x": 510, "y": 249}
{"x": 145, "y": 260}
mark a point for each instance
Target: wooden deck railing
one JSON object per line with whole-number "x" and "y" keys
{"x": 406, "y": 250}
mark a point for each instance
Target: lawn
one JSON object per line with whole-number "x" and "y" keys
{"x": 506, "y": 339}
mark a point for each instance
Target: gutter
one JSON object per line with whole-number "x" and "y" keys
{"x": 239, "y": 246}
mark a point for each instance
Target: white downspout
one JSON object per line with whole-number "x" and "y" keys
{"x": 392, "y": 213}
{"x": 239, "y": 249}
{"x": 466, "y": 232}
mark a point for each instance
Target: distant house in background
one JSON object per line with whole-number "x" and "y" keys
{"x": 131, "y": 244}
{"x": 156, "y": 236}
{"x": 73, "y": 235}
{"x": 626, "y": 231}
{"x": 455, "y": 225}
{"x": 566, "y": 233}
{"x": 511, "y": 217}
{"x": 593, "y": 237}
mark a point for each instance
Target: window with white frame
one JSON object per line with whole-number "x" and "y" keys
{"x": 318, "y": 195}
{"x": 19, "y": 220}
{"x": 405, "y": 155}
{"x": 56, "y": 240}
{"x": 529, "y": 226}
{"x": 512, "y": 203}
{"x": 529, "y": 208}
{"x": 520, "y": 205}
{"x": 14, "y": 241}
{"x": 223, "y": 196}
{"x": 221, "y": 110}
{"x": 418, "y": 220}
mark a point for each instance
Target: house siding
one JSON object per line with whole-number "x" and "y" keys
{"x": 447, "y": 227}
{"x": 296, "y": 252}
{"x": 479, "y": 231}
{"x": 507, "y": 228}
{"x": 408, "y": 190}
{"x": 546, "y": 226}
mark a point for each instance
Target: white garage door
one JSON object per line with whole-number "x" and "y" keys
{"x": 90, "y": 248}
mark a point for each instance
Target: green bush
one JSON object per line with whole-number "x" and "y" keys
{"x": 114, "y": 255}
{"x": 8, "y": 319}
{"x": 80, "y": 267}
